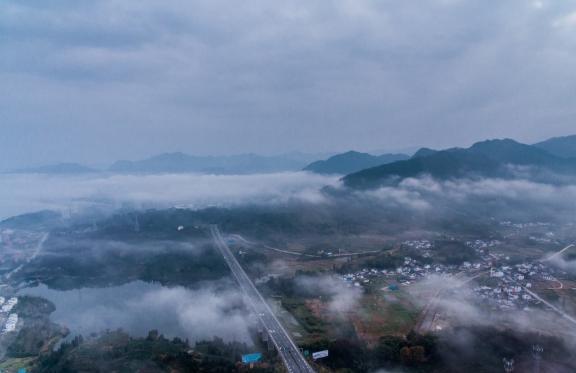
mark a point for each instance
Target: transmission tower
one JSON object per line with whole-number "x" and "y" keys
{"x": 136, "y": 223}
{"x": 508, "y": 365}
{"x": 537, "y": 351}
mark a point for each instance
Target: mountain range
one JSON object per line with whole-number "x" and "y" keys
{"x": 184, "y": 163}
{"x": 352, "y": 161}
{"x": 57, "y": 169}
{"x": 559, "y": 146}
{"x": 492, "y": 158}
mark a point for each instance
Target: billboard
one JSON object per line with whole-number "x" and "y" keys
{"x": 251, "y": 358}
{"x": 320, "y": 354}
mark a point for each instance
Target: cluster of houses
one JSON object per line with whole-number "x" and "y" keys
{"x": 419, "y": 244}
{"x": 423, "y": 246}
{"x": 513, "y": 281}
{"x": 11, "y": 320}
{"x": 16, "y": 247}
{"x": 508, "y": 223}
{"x": 549, "y": 238}
{"x": 482, "y": 245}
{"x": 362, "y": 277}
{"x": 505, "y": 296}
{"x": 411, "y": 271}
{"x": 11, "y": 323}
{"x": 7, "y": 305}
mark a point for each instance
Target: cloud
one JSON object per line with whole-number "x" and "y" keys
{"x": 567, "y": 21}
{"x": 26, "y": 193}
{"x": 342, "y": 297}
{"x": 458, "y": 304}
{"x": 137, "y": 307}
{"x": 564, "y": 264}
{"x": 398, "y": 197}
{"x": 206, "y": 76}
{"x": 423, "y": 194}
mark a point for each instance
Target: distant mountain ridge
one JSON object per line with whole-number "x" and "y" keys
{"x": 559, "y": 146}
{"x": 35, "y": 220}
{"x": 483, "y": 158}
{"x": 491, "y": 158}
{"x": 236, "y": 164}
{"x": 352, "y": 161}
{"x": 424, "y": 152}
{"x": 58, "y": 169}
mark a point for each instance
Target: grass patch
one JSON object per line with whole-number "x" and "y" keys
{"x": 309, "y": 322}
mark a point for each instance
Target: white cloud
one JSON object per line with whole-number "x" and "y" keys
{"x": 207, "y": 76}
{"x": 567, "y": 21}
{"x": 139, "y": 307}
{"x": 425, "y": 193}
{"x": 462, "y": 307}
{"x": 343, "y": 298}
{"x": 26, "y": 193}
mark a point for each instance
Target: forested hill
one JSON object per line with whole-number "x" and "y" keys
{"x": 491, "y": 158}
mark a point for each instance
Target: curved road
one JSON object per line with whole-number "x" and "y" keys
{"x": 296, "y": 253}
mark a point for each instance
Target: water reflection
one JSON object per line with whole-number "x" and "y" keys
{"x": 139, "y": 307}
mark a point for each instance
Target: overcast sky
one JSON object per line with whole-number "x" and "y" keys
{"x": 94, "y": 81}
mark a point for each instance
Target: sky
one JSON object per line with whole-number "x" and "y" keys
{"x": 96, "y": 81}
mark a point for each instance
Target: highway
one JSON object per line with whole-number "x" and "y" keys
{"x": 287, "y": 349}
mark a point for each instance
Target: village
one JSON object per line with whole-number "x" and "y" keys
{"x": 16, "y": 248}
{"x": 7, "y": 318}
{"x": 498, "y": 283}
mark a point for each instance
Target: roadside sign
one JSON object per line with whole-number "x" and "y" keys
{"x": 320, "y": 354}
{"x": 251, "y": 358}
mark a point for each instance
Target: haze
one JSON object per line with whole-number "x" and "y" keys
{"x": 94, "y": 82}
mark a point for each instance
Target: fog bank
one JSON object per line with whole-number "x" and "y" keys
{"x": 27, "y": 193}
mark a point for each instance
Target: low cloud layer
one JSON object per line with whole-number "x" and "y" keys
{"x": 520, "y": 199}
{"x": 424, "y": 194}
{"x": 139, "y": 307}
{"x": 26, "y": 193}
{"x": 567, "y": 265}
{"x": 457, "y": 302}
{"x": 342, "y": 297}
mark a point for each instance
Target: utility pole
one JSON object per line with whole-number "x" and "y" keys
{"x": 537, "y": 351}
{"x": 136, "y": 223}
{"x": 508, "y": 365}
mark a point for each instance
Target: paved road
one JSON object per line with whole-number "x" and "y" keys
{"x": 545, "y": 302}
{"x": 287, "y": 349}
{"x": 296, "y": 253}
{"x": 557, "y": 254}
{"x": 39, "y": 248}
{"x": 430, "y": 312}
